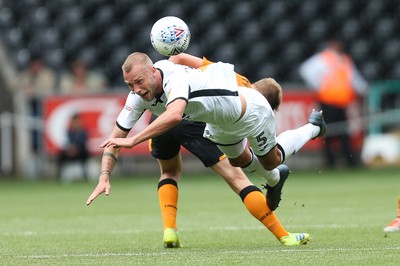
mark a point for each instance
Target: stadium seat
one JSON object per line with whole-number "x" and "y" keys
{"x": 136, "y": 17}
{"x": 350, "y": 30}
{"x": 205, "y": 14}
{"x": 284, "y": 31}
{"x": 371, "y": 69}
{"x": 317, "y": 31}
{"x": 391, "y": 51}
{"x": 6, "y": 18}
{"x": 39, "y": 18}
{"x": 124, "y": 8}
{"x": 214, "y": 36}
{"x": 247, "y": 34}
{"x": 172, "y": 9}
{"x": 267, "y": 69}
{"x": 373, "y": 9}
{"x": 291, "y": 54}
{"x": 342, "y": 10}
{"x": 69, "y": 19}
{"x": 385, "y": 29}
{"x": 308, "y": 10}
{"x": 258, "y": 55}
{"x": 239, "y": 13}
{"x": 55, "y": 59}
{"x": 274, "y": 12}
{"x": 89, "y": 55}
{"x": 101, "y": 19}
{"x": 13, "y": 38}
{"x": 60, "y": 6}
{"x": 226, "y": 53}
{"x": 75, "y": 40}
{"x": 395, "y": 71}
{"x": 112, "y": 37}
{"x": 360, "y": 49}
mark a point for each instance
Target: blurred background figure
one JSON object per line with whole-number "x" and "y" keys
{"x": 35, "y": 82}
{"x": 81, "y": 80}
{"x": 394, "y": 226}
{"x": 75, "y": 149}
{"x": 339, "y": 85}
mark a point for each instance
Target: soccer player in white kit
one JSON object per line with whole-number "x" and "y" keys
{"x": 233, "y": 115}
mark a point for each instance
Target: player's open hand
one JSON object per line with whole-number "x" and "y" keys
{"x": 117, "y": 143}
{"x": 103, "y": 186}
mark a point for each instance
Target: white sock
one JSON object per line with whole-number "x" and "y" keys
{"x": 292, "y": 140}
{"x": 256, "y": 168}
{"x": 272, "y": 177}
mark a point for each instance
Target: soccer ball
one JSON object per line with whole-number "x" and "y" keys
{"x": 170, "y": 36}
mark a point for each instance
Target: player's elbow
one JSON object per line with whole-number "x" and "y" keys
{"x": 175, "y": 118}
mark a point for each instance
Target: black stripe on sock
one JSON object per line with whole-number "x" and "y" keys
{"x": 244, "y": 192}
{"x": 167, "y": 181}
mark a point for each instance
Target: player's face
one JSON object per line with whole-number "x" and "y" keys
{"x": 141, "y": 81}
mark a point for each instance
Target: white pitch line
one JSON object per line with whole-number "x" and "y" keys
{"x": 213, "y": 228}
{"x": 153, "y": 254}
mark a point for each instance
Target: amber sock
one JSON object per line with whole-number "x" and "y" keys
{"x": 256, "y": 204}
{"x": 168, "y": 199}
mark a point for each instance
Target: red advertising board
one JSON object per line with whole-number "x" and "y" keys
{"x": 98, "y": 113}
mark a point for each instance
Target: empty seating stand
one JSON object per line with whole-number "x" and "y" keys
{"x": 262, "y": 38}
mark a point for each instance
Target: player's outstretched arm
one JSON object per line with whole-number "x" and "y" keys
{"x": 108, "y": 162}
{"x": 187, "y": 60}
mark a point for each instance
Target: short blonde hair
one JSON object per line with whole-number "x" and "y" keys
{"x": 136, "y": 58}
{"x": 271, "y": 90}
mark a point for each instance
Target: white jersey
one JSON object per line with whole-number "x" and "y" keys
{"x": 211, "y": 95}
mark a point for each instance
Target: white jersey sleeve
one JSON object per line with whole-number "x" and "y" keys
{"x": 132, "y": 111}
{"x": 134, "y": 108}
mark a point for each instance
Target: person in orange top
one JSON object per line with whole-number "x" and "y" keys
{"x": 338, "y": 83}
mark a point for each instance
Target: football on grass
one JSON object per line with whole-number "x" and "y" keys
{"x": 170, "y": 36}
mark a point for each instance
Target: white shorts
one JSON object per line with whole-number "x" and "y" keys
{"x": 257, "y": 125}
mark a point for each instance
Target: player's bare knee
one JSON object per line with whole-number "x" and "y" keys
{"x": 237, "y": 162}
{"x": 243, "y": 160}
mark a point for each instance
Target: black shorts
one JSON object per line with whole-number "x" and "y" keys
{"x": 190, "y": 135}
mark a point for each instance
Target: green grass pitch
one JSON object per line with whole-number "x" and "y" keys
{"x": 47, "y": 223}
